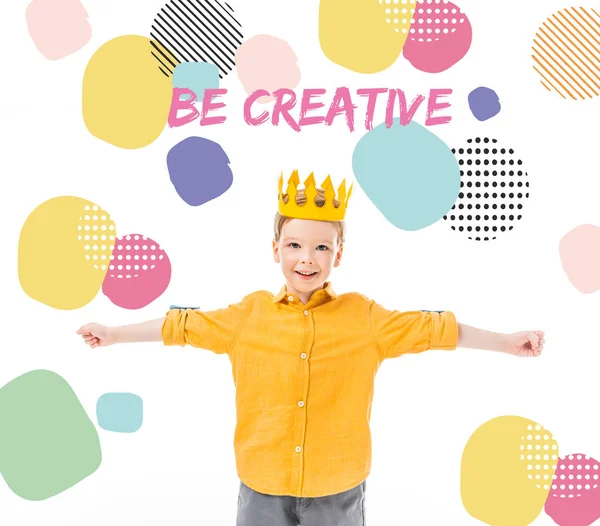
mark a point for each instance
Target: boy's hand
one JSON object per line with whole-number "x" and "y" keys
{"x": 96, "y": 335}
{"x": 527, "y": 343}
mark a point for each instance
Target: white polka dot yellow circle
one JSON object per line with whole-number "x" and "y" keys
{"x": 507, "y": 470}
{"x": 64, "y": 252}
{"x": 540, "y": 451}
{"x": 383, "y": 27}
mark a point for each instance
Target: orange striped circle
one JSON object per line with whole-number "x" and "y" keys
{"x": 566, "y": 53}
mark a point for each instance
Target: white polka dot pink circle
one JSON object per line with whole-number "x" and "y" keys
{"x": 439, "y": 36}
{"x": 575, "y": 475}
{"x": 574, "y": 498}
{"x": 138, "y": 273}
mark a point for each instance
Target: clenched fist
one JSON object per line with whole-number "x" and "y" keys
{"x": 527, "y": 343}
{"x": 96, "y": 335}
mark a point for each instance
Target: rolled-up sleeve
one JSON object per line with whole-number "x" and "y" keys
{"x": 214, "y": 330}
{"x": 398, "y": 333}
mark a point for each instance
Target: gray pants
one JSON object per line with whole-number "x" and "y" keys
{"x": 343, "y": 509}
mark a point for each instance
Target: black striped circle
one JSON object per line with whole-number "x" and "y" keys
{"x": 195, "y": 31}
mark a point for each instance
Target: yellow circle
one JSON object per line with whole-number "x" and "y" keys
{"x": 379, "y": 44}
{"x": 496, "y": 487}
{"x": 53, "y": 268}
{"x": 126, "y": 98}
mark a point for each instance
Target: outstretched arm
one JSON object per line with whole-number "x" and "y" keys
{"x": 526, "y": 343}
{"x": 96, "y": 335}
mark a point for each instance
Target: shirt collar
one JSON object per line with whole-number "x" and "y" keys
{"x": 326, "y": 293}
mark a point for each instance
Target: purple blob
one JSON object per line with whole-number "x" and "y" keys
{"x": 199, "y": 170}
{"x": 484, "y": 103}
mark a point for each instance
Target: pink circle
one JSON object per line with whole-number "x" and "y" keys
{"x": 58, "y": 27}
{"x": 574, "y": 498}
{"x": 266, "y": 62}
{"x": 580, "y": 257}
{"x": 138, "y": 273}
{"x": 440, "y": 35}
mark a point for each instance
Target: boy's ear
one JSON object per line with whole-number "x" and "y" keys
{"x": 276, "y": 252}
{"x": 338, "y": 256}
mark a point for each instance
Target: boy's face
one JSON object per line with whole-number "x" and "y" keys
{"x": 307, "y": 251}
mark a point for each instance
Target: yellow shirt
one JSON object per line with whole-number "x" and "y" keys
{"x": 304, "y": 378}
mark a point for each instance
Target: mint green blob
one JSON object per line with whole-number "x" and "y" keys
{"x": 196, "y": 76}
{"x": 47, "y": 442}
{"x": 408, "y": 173}
{"x": 120, "y": 412}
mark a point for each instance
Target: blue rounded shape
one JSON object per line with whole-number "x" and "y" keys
{"x": 408, "y": 173}
{"x": 196, "y": 76}
{"x": 484, "y": 103}
{"x": 199, "y": 170}
{"x": 120, "y": 412}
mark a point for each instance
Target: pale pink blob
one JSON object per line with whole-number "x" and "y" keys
{"x": 139, "y": 272}
{"x": 580, "y": 257}
{"x": 58, "y": 27}
{"x": 574, "y": 498}
{"x": 438, "y": 38}
{"x": 266, "y": 62}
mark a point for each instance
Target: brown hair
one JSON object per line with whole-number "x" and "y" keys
{"x": 340, "y": 226}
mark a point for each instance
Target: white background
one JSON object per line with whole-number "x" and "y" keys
{"x": 179, "y": 468}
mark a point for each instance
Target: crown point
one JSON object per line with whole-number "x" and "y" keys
{"x": 295, "y": 179}
{"x": 310, "y": 181}
{"x": 342, "y": 192}
{"x": 349, "y": 193}
{"x": 293, "y": 182}
{"x": 292, "y": 192}
{"x": 310, "y": 189}
{"x": 329, "y": 191}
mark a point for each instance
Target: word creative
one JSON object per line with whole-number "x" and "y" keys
{"x": 286, "y": 104}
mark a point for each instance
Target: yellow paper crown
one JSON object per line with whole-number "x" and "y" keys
{"x": 309, "y": 210}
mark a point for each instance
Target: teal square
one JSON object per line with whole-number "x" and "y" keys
{"x": 196, "y": 76}
{"x": 120, "y": 412}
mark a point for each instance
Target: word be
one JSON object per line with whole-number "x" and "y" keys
{"x": 285, "y": 101}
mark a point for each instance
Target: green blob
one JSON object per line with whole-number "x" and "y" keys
{"x": 47, "y": 443}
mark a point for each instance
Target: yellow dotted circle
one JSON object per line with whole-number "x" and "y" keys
{"x": 399, "y": 14}
{"x": 96, "y": 233}
{"x": 540, "y": 451}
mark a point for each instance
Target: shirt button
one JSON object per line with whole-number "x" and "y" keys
{"x": 301, "y": 403}
{"x": 306, "y": 312}
{"x": 298, "y": 449}
{"x": 290, "y": 298}
{"x": 303, "y": 356}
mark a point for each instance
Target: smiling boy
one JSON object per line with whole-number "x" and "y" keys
{"x": 304, "y": 362}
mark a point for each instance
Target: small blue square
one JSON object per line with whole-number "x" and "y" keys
{"x": 196, "y": 76}
{"x": 120, "y": 412}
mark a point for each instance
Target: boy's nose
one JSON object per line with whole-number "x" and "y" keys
{"x": 307, "y": 258}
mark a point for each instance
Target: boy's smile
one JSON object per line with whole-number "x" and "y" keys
{"x": 307, "y": 251}
{"x": 306, "y": 274}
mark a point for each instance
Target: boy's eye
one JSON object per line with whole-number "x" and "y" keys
{"x": 294, "y": 245}
{"x": 322, "y": 247}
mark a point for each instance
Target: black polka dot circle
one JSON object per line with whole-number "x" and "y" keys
{"x": 493, "y": 189}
